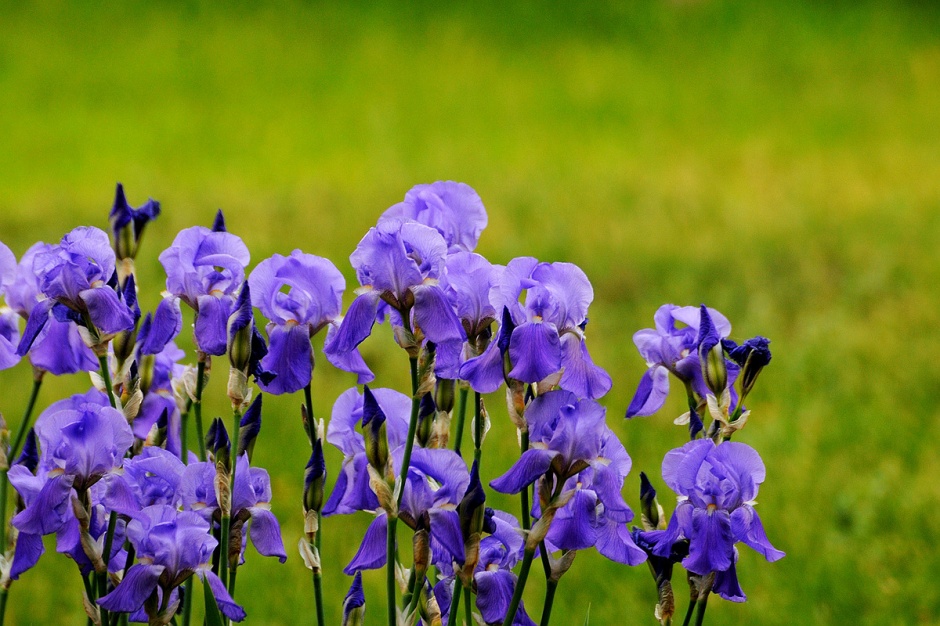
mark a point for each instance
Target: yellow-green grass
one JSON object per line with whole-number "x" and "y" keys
{"x": 778, "y": 161}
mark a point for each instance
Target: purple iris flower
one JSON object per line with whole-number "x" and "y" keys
{"x": 155, "y": 476}
{"x": 453, "y": 209}
{"x": 493, "y": 576}
{"x": 352, "y": 491}
{"x": 571, "y": 443}
{"x": 78, "y": 278}
{"x": 300, "y": 294}
{"x": 398, "y": 262}
{"x": 716, "y": 485}
{"x": 205, "y": 268}
{"x": 471, "y": 284}
{"x": 127, "y": 223}
{"x": 9, "y": 320}
{"x": 59, "y": 347}
{"x": 671, "y": 349}
{"x": 83, "y": 441}
{"x": 542, "y": 335}
{"x": 171, "y": 546}
{"x": 251, "y": 499}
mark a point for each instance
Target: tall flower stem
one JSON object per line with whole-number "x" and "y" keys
{"x": 461, "y": 417}
{"x": 550, "y": 588}
{"x": 524, "y": 494}
{"x": 700, "y": 609}
{"x": 393, "y": 519}
{"x": 477, "y": 427}
{"x": 197, "y": 405}
{"x": 467, "y": 606}
{"x": 520, "y": 586}
{"x": 188, "y": 601}
{"x": 14, "y": 451}
{"x": 454, "y": 603}
{"x": 311, "y": 430}
{"x": 106, "y": 377}
{"x": 313, "y": 434}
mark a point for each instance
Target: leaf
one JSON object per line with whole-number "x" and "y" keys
{"x": 213, "y": 617}
{"x": 587, "y": 617}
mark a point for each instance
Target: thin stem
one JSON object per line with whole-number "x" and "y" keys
{"x": 415, "y": 595}
{"x": 227, "y": 523}
{"x": 311, "y": 430}
{"x": 106, "y": 557}
{"x": 467, "y": 606}
{"x": 318, "y": 596}
{"x": 477, "y": 427}
{"x": 549, "y": 600}
{"x": 197, "y": 406}
{"x": 700, "y": 612}
{"x": 454, "y": 603}
{"x": 689, "y": 613}
{"x": 520, "y": 586}
{"x": 3, "y": 604}
{"x": 461, "y": 416}
{"x": 524, "y": 494}
{"x": 546, "y": 564}
{"x": 24, "y": 425}
{"x": 412, "y": 426}
{"x": 106, "y": 376}
{"x": 188, "y": 601}
{"x": 184, "y": 438}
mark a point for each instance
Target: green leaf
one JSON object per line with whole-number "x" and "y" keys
{"x": 213, "y": 617}
{"x": 587, "y": 617}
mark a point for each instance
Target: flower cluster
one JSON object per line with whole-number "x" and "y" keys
{"x": 144, "y": 499}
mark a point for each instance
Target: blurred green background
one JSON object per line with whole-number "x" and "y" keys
{"x": 779, "y": 161}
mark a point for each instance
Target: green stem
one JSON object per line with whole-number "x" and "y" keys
{"x": 197, "y": 406}
{"x": 700, "y": 612}
{"x": 184, "y": 439}
{"x": 318, "y": 596}
{"x": 188, "y": 601}
{"x": 415, "y": 594}
{"x": 546, "y": 564}
{"x": 520, "y": 586}
{"x": 467, "y": 606}
{"x": 454, "y": 603}
{"x": 227, "y": 523}
{"x": 549, "y": 600}
{"x": 524, "y": 494}
{"x": 689, "y": 613}
{"x": 3, "y": 604}
{"x": 311, "y": 430}
{"x": 106, "y": 376}
{"x": 461, "y": 417}
{"x": 477, "y": 427}
{"x": 24, "y": 425}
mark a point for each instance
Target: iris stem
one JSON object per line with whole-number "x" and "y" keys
{"x": 461, "y": 417}
{"x": 477, "y": 427}
{"x": 106, "y": 376}
{"x": 701, "y": 606}
{"x": 197, "y": 405}
{"x": 520, "y": 586}
{"x": 188, "y": 601}
{"x": 24, "y": 425}
{"x": 311, "y": 429}
{"x": 318, "y": 596}
{"x": 313, "y": 435}
{"x": 390, "y": 572}
{"x": 227, "y": 523}
{"x": 689, "y": 613}
{"x": 3, "y": 604}
{"x": 467, "y": 606}
{"x": 550, "y": 588}
{"x": 105, "y": 557}
{"x": 184, "y": 439}
{"x": 454, "y": 603}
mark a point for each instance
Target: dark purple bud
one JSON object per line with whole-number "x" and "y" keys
{"x": 505, "y": 332}
{"x": 249, "y": 427}
{"x": 218, "y": 443}
{"x": 29, "y": 457}
{"x": 695, "y": 424}
{"x": 259, "y": 349}
{"x": 127, "y": 223}
{"x": 354, "y": 606}
{"x": 162, "y": 422}
{"x": 711, "y": 354}
{"x": 373, "y": 431}
{"x": 427, "y": 409}
{"x": 648, "y": 504}
{"x": 314, "y": 479}
{"x": 471, "y": 510}
{"x": 753, "y": 355}
{"x": 218, "y": 226}
{"x": 239, "y": 331}
{"x": 125, "y": 341}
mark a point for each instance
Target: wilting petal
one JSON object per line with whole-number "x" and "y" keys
{"x": 581, "y": 375}
{"x": 107, "y": 312}
{"x": 138, "y": 583}
{"x": 534, "y": 351}
{"x": 651, "y": 393}
{"x": 747, "y": 527}
{"x": 265, "y": 534}
{"x": 532, "y": 464}
{"x": 711, "y": 543}
{"x": 290, "y": 357}
{"x": 371, "y": 553}
{"x": 210, "y": 329}
{"x": 435, "y": 316}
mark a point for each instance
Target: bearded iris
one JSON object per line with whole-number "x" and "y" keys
{"x": 453, "y": 209}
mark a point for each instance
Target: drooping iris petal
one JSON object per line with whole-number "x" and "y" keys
{"x": 372, "y": 551}
{"x": 434, "y": 315}
{"x": 581, "y": 375}
{"x": 532, "y": 464}
{"x": 138, "y": 583}
{"x": 290, "y": 356}
{"x": 535, "y": 352}
{"x": 651, "y": 393}
{"x": 265, "y": 534}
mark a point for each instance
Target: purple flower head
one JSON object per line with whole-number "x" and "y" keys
{"x": 127, "y": 223}
{"x": 204, "y": 268}
{"x": 398, "y": 262}
{"x": 671, "y": 349}
{"x": 352, "y": 491}
{"x": 251, "y": 499}
{"x": 78, "y": 277}
{"x": 548, "y": 330}
{"x": 300, "y": 294}
{"x": 218, "y": 444}
{"x": 58, "y": 347}
{"x": 171, "y": 546}
{"x": 453, "y": 209}
{"x": 155, "y": 476}
{"x": 716, "y": 485}
{"x": 354, "y": 605}
{"x": 576, "y": 453}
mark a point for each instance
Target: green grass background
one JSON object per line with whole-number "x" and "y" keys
{"x": 779, "y": 161}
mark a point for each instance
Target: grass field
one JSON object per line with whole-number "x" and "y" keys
{"x": 779, "y": 161}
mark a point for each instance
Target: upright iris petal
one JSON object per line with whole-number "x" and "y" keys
{"x": 453, "y": 209}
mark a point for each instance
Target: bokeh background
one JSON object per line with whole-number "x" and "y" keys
{"x": 779, "y": 161}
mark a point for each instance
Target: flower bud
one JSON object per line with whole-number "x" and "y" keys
{"x": 373, "y": 431}
{"x": 444, "y": 394}
{"x": 218, "y": 444}
{"x": 711, "y": 354}
{"x": 426, "y": 412}
{"x": 314, "y": 479}
{"x": 421, "y": 542}
{"x": 753, "y": 355}
{"x": 354, "y": 606}
{"x": 472, "y": 509}
{"x": 652, "y": 512}
{"x": 240, "y": 324}
{"x": 249, "y": 427}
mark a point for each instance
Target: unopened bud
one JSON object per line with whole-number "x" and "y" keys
{"x": 421, "y": 542}
{"x": 240, "y": 324}
{"x": 314, "y": 479}
{"x": 652, "y": 516}
{"x": 248, "y": 428}
{"x": 444, "y": 394}
{"x": 426, "y": 412}
{"x": 354, "y": 606}
{"x": 374, "y": 431}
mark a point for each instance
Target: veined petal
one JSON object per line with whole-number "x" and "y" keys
{"x": 265, "y": 533}
{"x": 484, "y": 372}
{"x": 727, "y": 585}
{"x": 711, "y": 543}
{"x": 581, "y": 375}
{"x": 356, "y": 325}
{"x": 38, "y": 318}
{"x": 49, "y": 510}
{"x": 138, "y": 583}
{"x": 435, "y": 316}
{"x": 210, "y": 328}
{"x": 532, "y": 464}
{"x": 614, "y": 542}
{"x": 107, "y": 312}
{"x": 290, "y": 357}
{"x": 371, "y": 553}
{"x": 651, "y": 392}
{"x": 534, "y": 351}
{"x": 574, "y": 525}
{"x": 227, "y": 605}
{"x": 445, "y": 529}
{"x": 28, "y": 550}
{"x": 60, "y": 349}
{"x": 351, "y": 361}
{"x": 747, "y": 527}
